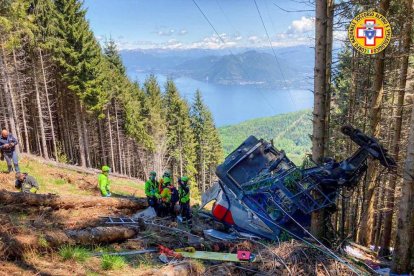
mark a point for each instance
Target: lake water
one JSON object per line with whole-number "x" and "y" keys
{"x": 234, "y": 104}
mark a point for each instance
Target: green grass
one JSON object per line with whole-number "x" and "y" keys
{"x": 42, "y": 242}
{"x": 47, "y": 175}
{"x": 60, "y": 181}
{"x": 75, "y": 253}
{"x": 290, "y": 133}
{"x": 110, "y": 262}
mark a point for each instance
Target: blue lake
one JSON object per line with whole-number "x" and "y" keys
{"x": 234, "y": 104}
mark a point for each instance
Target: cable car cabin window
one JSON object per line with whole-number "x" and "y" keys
{"x": 253, "y": 164}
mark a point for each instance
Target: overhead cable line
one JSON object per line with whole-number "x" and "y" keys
{"x": 209, "y": 22}
{"x": 232, "y": 54}
{"x": 273, "y": 50}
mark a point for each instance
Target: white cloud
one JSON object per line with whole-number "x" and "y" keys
{"x": 164, "y": 31}
{"x": 303, "y": 25}
{"x": 340, "y": 35}
{"x": 167, "y": 32}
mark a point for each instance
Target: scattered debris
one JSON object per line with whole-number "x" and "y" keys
{"x": 126, "y": 253}
{"x": 146, "y": 214}
{"x": 218, "y": 256}
{"x": 219, "y": 235}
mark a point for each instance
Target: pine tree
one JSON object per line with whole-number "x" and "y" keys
{"x": 180, "y": 138}
{"x": 153, "y": 110}
{"x": 208, "y": 145}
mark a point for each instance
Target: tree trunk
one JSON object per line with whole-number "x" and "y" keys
{"x": 318, "y": 228}
{"x": 26, "y": 146}
{"x": 49, "y": 110}
{"x": 395, "y": 147}
{"x": 8, "y": 91}
{"x": 367, "y": 223}
{"x": 85, "y": 136}
{"x": 118, "y": 135}
{"x": 110, "y": 140}
{"x": 19, "y": 244}
{"x": 328, "y": 70}
{"x": 40, "y": 114}
{"x": 80, "y": 134}
{"x": 104, "y": 159}
{"x": 405, "y": 229}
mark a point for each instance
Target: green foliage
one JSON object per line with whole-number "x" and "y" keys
{"x": 79, "y": 54}
{"x": 152, "y": 109}
{"x": 290, "y": 133}
{"x": 76, "y": 253}
{"x": 42, "y": 242}
{"x": 61, "y": 156}
{"x": 62, "y": 47}
{"x": 208, "y": 145}
{"x": 180, "y": 137}
{"x": 111, "y": 262}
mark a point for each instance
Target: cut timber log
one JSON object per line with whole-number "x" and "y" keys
{"x": 68, "y": 202}
{"x": 14, "y": 246}
{"x": 88, "y": 236}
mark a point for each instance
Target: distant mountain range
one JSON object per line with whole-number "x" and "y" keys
{"x": 292, "y": 68}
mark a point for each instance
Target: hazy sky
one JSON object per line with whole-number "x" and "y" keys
{"x": 178, "y": 24}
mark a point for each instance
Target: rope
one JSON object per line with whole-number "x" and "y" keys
{"x": 329, "y": 252}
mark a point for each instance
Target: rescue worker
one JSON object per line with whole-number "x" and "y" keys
{"x": 8, "y": 149}
{"x": 184, "y": 197}
{"x": 165, "y": 194}
{"x": 152, "y": 191}
{"x": 26, "y": 183}
{"x": 174, "y": 200}
{"x": 103, "y": 181}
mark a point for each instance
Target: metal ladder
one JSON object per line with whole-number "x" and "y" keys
{"x": 118, "y": 220}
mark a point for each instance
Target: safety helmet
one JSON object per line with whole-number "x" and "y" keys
{"x": 184, "y": 178}
{"x": 106, "y": 168}
{"x": 167, "y": 174}
{"x": 153, "y": 173}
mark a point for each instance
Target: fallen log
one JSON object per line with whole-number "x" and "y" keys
{"x": 69, "y": 202}
{"x": 89, "y": 236}
{"x": 15, "y": 245}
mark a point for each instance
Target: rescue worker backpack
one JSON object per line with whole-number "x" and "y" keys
{"x": 174, "y": 194}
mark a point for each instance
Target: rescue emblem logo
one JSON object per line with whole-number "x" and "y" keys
{"x": 369, "y": 32}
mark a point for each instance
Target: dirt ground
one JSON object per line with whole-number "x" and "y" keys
{"x": 24, "y": 251}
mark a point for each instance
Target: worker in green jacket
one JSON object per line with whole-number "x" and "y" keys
{"x": 103, "y": 181}
{"x": 152, "y": 191}
{"x": 184, "y": 199}
{"x": 165, "y": 194}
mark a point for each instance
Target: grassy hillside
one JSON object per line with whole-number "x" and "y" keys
{"x": 290, "y": 132}
{"x": 61, "y": 181}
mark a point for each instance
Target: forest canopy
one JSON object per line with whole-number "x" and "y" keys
{"x": 67, "y": 97}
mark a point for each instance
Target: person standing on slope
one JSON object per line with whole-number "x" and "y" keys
{"x": 184, "y": 195}
{"x": 165, "y": 194}
{"x": 8, "y": 149}
{"x": 152, "y": 192}
{"x": 103, "y": 182}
